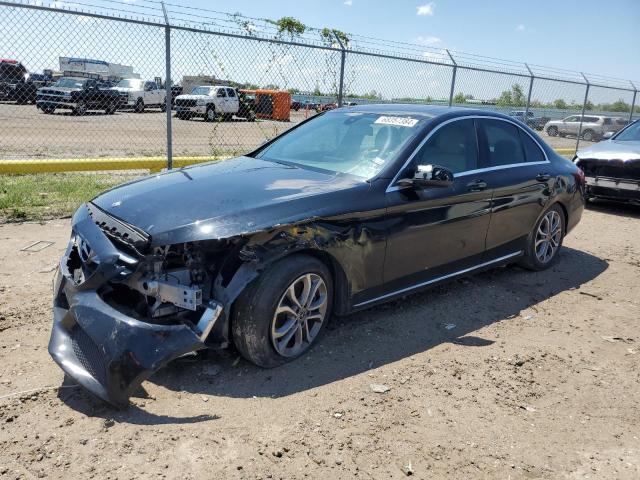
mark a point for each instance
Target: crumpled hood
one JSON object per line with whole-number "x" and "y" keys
{"x": 225, "y": 199}
{"x": 612, "y": 150}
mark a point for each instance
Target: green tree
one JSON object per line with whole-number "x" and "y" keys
{"x": 513, "y": 97}
{"x": 619, "y": 106}
{"x": 459, "y": 98}
{"x": 560, "y": 104}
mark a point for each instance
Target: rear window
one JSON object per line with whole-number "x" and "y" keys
{"x": 532, "y": 151}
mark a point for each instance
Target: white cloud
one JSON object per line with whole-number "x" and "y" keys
{"x": 348, "y": 3}
{"x": 437, "y": 56}
{"x": 427, "y": 9}
{"x": 427, "y": 40}
{"x": 520, "y": 28}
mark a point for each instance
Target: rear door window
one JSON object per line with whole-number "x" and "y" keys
{"x": 532, "y": 151}
{"x": 503, "y": 145}
{"x": 231, "y": 92}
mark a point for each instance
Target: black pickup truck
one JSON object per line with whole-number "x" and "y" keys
{"x": 78, "y": 94}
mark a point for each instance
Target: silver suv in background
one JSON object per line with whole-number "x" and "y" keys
{"x": 593, "y": 127}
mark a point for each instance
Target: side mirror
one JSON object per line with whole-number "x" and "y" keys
{"x": 607, "y": 135}
{"x": 428, "y": 176}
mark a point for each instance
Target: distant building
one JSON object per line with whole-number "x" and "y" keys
{"x": 100, "y": 68}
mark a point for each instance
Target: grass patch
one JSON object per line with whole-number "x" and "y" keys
{"x": 51, "y": 195}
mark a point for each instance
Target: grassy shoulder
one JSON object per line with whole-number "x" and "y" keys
{"x": 51, "y": 195}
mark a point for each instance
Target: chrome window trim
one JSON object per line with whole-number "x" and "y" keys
{"x": 392, "y": 188}
{"x": 434, "y": 280}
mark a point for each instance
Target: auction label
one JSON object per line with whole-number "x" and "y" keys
{"x": 397, "y": 121}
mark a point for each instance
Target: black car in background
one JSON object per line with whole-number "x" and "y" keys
{"x": 17, "y": 84}
{"x": 78, "y": 94}
{"x": 351, "y": 208}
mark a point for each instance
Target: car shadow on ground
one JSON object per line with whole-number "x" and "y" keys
{"x": 366, "y": 340}
{"x": 388, "y": 333}
{"x": 610, "y": 207}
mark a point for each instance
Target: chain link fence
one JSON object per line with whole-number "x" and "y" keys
{"x": 148, "y": 80}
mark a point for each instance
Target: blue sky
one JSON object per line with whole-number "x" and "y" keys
{"x": 583, "y": 35}
{"x": 587, "y": 35}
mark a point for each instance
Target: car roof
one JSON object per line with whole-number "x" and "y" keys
{"x": 431, "y": 111}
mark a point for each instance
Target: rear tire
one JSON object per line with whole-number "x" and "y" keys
{"x": 269, "y": 338}
{"x": 111, "y": 109}
{"x": 588, "y": 135}
{"x": 552, "y": 131}
{"x": 545, "y": 241}
{"x": 48, "y": 110}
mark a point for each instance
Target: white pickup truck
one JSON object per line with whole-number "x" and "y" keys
{"x": 140, "y": 94}
{"x": 212, "y": 102}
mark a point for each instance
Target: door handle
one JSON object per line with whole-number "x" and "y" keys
{"x": 543, "y": 177}
{"x": 477, "y": 186}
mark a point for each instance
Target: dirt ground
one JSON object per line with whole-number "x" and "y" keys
{"x": 29, "y": 133}
{"x": 509, "y": 374}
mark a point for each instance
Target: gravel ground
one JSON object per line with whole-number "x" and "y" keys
{"x": 29, "y": 133}
{"x": 509, "y": 374}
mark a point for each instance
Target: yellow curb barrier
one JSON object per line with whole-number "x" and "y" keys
{"x": 153, "y": 164}
{"x": 54, "y": 165}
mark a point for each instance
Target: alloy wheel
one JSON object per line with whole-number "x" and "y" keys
{"x": 548, "y": 236}
{"x": 299, "y": 315}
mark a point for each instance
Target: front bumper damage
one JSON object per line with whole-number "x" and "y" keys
{"x": 104, "y": 349}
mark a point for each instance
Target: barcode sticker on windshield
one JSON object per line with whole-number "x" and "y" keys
{"x": 397, "y": 121}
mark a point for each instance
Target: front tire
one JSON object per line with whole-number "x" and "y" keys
{"x": 283, "y": 312}
{"x": 139, "y": 108}
{"x": 552, "y": 131}
{"x": 210, "y": 114}
{"x": 545, "y": 241}
{"x": 81, "y": 108}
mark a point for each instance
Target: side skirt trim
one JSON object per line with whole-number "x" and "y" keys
{"x": 444, "y": 277}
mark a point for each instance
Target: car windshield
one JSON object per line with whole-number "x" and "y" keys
{"x": 630, "y": 134}
{"x": 70, "y": 83}
{"x": 201, "y": 91}
{"x": 355, "y": 143}
{"x": 131, "y": 83}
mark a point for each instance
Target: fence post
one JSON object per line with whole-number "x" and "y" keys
{"x": 343, "y": 57}
{"x": 167, "y": 86}
{"x": 584, "y": 106}
{"x": 453, "y": 77}
{"x": 633, "y": 102}
{"x": 526, "y": 110}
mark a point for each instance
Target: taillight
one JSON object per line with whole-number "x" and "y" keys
{"x": 579, "y": 176}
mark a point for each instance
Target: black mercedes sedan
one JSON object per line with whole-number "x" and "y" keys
{"x": 351, "y": 208}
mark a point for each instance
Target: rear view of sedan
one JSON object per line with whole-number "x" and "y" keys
{"x": 612, "y": 167}
{"x": 351, "y": 208}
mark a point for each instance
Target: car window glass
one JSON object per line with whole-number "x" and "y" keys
{"x": 231, "y": 92}
{"x": 607, "y": 121}
{"x": 630, "y": 134}
{"x": 503, "y": 143}
{"x": 571, "y": 119}
{"x": 532, "y": 151}
{"x": 221, "y": 93}
{"x": 454, "y": 146}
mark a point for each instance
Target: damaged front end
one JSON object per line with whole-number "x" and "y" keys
{"x": 124, "y": 308}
